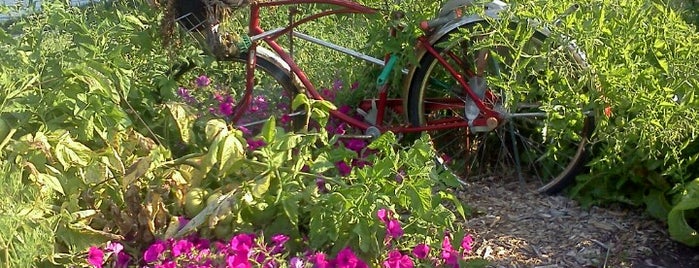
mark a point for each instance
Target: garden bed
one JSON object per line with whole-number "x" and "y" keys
{"x": 513, "y": 228}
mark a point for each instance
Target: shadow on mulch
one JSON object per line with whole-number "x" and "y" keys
{"x": 678, "y": 256}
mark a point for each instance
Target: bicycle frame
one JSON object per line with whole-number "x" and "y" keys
{"x": 269, "y": 37}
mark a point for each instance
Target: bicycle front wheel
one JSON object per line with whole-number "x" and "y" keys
{"x": 538, "y": 86}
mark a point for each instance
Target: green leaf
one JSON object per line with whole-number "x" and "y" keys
{"x": 261, "y": 185}
{"x": 679, "y": 228}
{"x": 367, "y": 238}
{"x": 657, "y": 205}
{"x": 70, "y": 153}
{"x": 324, "y": 105}
{"x": 384, "y": 142}
{"x": 50, "y": 181}
{"x": 184, "y": 118}
{"x": 269, "y": 129}
{"x": 291, "y": 209}
{"x": 457, "y": 203}
{"x": 230, "y": 151}
{"x": 214, "y": 128}
{"x": 300, "y": 99}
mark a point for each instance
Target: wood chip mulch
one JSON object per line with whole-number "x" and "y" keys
{"x": 513, "y": 227}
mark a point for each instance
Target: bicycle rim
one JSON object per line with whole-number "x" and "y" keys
{"x": 542, "y": 90}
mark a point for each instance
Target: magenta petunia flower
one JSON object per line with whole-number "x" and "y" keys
{"x": 115, "y": 247}
{"x": 122, "y": 260}
{"x": 238, "y": 260}
{"x": 397, "y": 260}
{"x": 421, "y": 251}
{"x": 394, "y": 229}
{"x": 226, "y": 107}
{"x": 245, "y": 130}
{"x": 383, "y": 215}
{"x": 182, "y": 246}
{"x": 95, "y": 257}
{"x": 449, "y": 255}
{"x": 345, "y": 109}
{"x": 279, "y": 241}
{"x": 467, "y": 244}
{"x": 285, "y": 119}
{"x": 319, "y": 260}
{"x": 343, "y": 168}
{"x": 167, "y": 264}
{"x": 296, "y": 262}
{"x": 242, "y": 243}
{"x": 254, "y": 144}
{"x": 154, "y": 250}
{"x": 203, "y": 81}
{"x": 346, "y": 259}
{"x": 355, "y": 145}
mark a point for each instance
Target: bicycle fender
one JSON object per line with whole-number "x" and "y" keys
{"x": 275, "y": 59}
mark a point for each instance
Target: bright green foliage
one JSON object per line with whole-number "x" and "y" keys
{"x": 642, "y": 54}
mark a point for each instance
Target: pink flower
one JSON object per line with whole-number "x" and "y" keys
{"x": 167, "y": 264}
{"x": 245, "y": 130}
{"x": 254, "y": 144}
{"x": 449, "y": 255}
{"x": 467, "y": 244}
{"x": 115, "y": 247}
{"x": 345, "y": 109}
{"x": 347, "y": 259}
{"x": 319, "y": 260}
{"x": 95, "y": 257}
{"x": 226, "y": 107}
{"x": 202, "y": 81}
{"x": 398, "y": 260}
{"x": 285, "y": 119}
{"x": 421, "y": 251}
{"x": 393, "y": 228}
{"x": 182, "y": 246}
{"x": 238, "y": 261}
{"x": 242, "y": 244}
{"x": 122, "y": 260}
{"x": 355, "y": 145}
{"x": 343, "y": 168}
{"x": 153, "y": 252}
{"x": 279, "y": 241}
{"x": 296, "y": 262}
{"x": 383, "y": 215}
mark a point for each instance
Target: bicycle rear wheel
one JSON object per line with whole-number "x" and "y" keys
{"x": 540, "y": 88}
{"x": 272, "y": 94}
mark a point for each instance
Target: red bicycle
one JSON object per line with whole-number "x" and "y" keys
{"x": 499, "y": 98}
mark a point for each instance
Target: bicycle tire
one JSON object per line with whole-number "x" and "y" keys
{"x": 272, "y": 96}
{"x": 541, "y": 152}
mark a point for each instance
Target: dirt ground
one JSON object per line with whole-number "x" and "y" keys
{"x": 515, "y": 228}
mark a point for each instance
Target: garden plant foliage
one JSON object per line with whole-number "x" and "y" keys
{"x": 96, "y": 146}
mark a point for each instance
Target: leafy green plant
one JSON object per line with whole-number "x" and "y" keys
{"x": 639, "y": 51}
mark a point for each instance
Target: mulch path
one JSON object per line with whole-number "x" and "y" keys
{"x": 515, "y": 228}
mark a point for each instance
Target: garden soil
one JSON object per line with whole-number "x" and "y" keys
{"x": 512, "y": 227}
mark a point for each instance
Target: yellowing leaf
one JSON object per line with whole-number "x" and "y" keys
{"x": 136, "y": 171}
